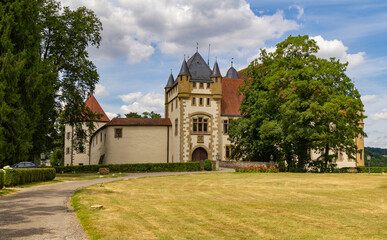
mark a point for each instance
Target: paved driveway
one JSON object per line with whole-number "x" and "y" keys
{"x": 44, "y": 212}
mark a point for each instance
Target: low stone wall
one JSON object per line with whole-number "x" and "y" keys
{"x": 234, "y": 164}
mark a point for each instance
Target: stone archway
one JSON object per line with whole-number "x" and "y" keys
{"x": 199, "y": 154}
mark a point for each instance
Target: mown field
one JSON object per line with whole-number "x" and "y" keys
{"x": 237, "y": 206}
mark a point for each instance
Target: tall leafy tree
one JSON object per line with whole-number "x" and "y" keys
{"x": 295, "y": 102}
{"x": 45, "y": 73}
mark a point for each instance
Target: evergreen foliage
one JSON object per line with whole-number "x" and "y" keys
{"x": 144, "y": 115}
{"x": 136, "y": 167}
{"x": 294, "y": 102}
{"x": 377, "y": 159}
{"x": 43, "y": 66}
{"x": 14, "y": 177}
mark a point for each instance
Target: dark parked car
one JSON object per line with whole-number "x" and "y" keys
{"x": 25, "y": 165}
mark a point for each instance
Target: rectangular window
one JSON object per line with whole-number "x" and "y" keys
{"x": 118, "y": 132}
{"x": 194, "y": 84}
{"x": 172, "y": 107}
{"x": 228, "y": 151}
{"x": 176, "y": 103}
{"x": 67, "y": 150}
{"x": 225, "y": 126}
{"x": 176, "y": 125}
{"x": 200, "y": 125}
{"x": 361, "y": 154}
{"x": 193, "y": 101}
{"x": 201, "y": 85}
{"x": 216, "y": 79}
{"x": 80, "y": 164}
{"x": 101, "y": 137}
{"x": 208, "y": 101}
{"x": 360, "y": 135}
{"x": 68, "y": 135}
{"x": 208, "y": 85}
{"x": 201, "y": 101}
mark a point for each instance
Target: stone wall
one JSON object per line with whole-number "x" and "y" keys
{"x": 234, "y": 164}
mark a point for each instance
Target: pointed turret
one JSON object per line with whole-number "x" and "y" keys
{"x": 232, "y": 72}
{"x": 215, "y": 71}
{"x": 184, "y": 69}
{"x": 170, "y": 81}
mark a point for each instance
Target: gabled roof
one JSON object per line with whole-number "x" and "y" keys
{"x": 199, "y": 69}
{"x": 231, "y": 100}
{"x": 94, "y": 106}
{"x": 139, "y": 122}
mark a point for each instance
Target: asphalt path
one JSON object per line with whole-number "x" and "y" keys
{"x": 44, "y": 212}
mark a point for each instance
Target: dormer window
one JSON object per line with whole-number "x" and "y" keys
{"x": 201, "y": 85}
{"x": 208, "y": 85}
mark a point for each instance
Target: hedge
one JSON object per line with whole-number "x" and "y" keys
{"x": 14, "y": 177}
{"x": 1, "y": 179}
{"x": 364, "y": 169}
{"x": 138, "y": 167}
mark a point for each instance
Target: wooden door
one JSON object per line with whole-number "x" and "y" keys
{"x": 199, "y": 154}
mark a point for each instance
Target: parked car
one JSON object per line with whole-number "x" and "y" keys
{"x": 25, "y": 165}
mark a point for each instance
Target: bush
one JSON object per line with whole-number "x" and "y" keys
{"x": 207, "y": 165}
{"x": 14, "y": 177}
{"x": 262, "y": 169}
{"x": 137, "y": 167}
{"x": 362, "y": 169}
{"x": 295, "y": 169}
{"x": 1, "y": 179}
{"x": 56, "y": 157}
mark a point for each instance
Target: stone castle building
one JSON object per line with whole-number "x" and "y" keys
{"x": 199, "y": 105}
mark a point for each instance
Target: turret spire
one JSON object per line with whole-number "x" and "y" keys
{"x": 170, "y": 81}
{"x": 184, "y": 69}
{"x": 215, "y": 71}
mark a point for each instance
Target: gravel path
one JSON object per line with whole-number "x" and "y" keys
{"x": 44, "y": 212}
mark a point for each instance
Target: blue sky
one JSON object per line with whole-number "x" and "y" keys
{"x": 143, "y": 40}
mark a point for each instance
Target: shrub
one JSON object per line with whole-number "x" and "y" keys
{"x": 362, "y": 169}
{"x": 137, "y": 167}
{"x": 261, "y": 169}
{"x": 207, "y": 165}
{"x": 295, "y": 169}
{"x": 14, "y": 177}
{"x": 1, "y": 179}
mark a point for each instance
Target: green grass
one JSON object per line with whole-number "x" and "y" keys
{"x": 6, "y": 191}
{"x": 237, "y": 206}
{"x": 85, "y": 176}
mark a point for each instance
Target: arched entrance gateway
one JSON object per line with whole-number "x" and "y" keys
{"x": 199, "y": 154}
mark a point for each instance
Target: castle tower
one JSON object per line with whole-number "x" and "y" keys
{"x": 81, "y": 157}
{"x": 193, "y": 106}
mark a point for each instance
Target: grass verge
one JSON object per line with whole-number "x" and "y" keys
{"x": 237, "y": 206}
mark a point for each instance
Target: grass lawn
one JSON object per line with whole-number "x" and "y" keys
{"x": 237, "y": 206}
{"x": 60, "y": 178}
{"x": 85, "y": 176}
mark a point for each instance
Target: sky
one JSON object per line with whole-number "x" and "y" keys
{"x": 144, "y": 40}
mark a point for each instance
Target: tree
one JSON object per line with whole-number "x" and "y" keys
{"x": 150, "y": 115}
{"x": 132, "y": 115}
{"x": 144, "y": 115}
{"x": 295, "y": 102}
{"x": 43, "y": 66}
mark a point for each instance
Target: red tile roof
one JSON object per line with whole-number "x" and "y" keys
{"x": 94, "y": 106}
{"x": 140, "y": 122}
{"x": 231, "y": 100}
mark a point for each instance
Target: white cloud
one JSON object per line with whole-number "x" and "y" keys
{"x": 138, "y": 102}
{"x": 111, "y": 115}
{"x": 380, "y": 115}
{"x": 100, "y": 91}
{"x": 335, "y": 48}
{"x": 136, "y": 28}
{"x": 369, "y": 98}
{"x": 299, "y": 9}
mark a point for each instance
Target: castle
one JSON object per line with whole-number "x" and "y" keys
{"x": 199, "y": 105}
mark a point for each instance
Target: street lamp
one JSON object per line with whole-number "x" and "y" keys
{"x": 369, "y": 164}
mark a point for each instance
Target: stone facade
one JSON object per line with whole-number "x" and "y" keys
{"x": 199, "y": 105}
